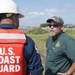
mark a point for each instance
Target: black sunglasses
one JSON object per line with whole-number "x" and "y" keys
{"x": 54, "y": 25}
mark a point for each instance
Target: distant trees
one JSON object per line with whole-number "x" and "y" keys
{"x": 69, "y": 26}
{"x": 66, "y": 25}
{"x": 43, "y": 28}
{"x": 44, "y": 25}
{"x": 37, "y": 30}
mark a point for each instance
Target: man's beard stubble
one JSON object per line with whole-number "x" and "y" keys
{"x": 52, "y": 33}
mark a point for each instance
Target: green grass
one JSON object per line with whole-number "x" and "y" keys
{"x": 40, "y": 40}
{"x": 71, "y": 32}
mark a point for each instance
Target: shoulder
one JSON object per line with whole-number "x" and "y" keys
{"x": 30, "y": 45}
{"x": 67, "y": 37}
{"x": 28, "y": 39}
{"x": 29, "y": 42}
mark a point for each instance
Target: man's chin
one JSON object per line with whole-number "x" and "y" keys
{"x": 52, "y": 34}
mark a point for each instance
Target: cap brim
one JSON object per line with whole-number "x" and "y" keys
{"x": 49, "y": 20}
{"x": 21, "y": 15}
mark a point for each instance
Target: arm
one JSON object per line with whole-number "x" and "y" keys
{"x": 70, "y": 71}
{"x": 70, "y": 53}
{"x": 33, "y": 58}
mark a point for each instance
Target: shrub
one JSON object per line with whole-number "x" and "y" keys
{"x": 37, "y": 30}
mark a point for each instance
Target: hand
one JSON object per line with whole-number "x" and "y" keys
{"x": 62, "y": 73}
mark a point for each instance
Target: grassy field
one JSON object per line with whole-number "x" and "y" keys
{"x": 40, "y": 41}
{"x": 70, "y": 32}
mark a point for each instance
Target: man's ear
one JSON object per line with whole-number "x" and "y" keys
{"x": 62, "y": 27}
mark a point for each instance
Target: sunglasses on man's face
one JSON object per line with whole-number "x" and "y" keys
{"x": 54, "y": 25}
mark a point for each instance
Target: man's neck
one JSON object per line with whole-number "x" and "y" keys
{"x": 6, "y": 21}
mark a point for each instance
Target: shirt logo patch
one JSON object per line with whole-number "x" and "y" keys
{"x": 57, "y": 44}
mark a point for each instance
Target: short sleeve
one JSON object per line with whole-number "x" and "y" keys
{"x": 70, "y": 49}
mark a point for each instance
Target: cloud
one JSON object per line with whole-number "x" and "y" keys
{"x": 50, "y": 12}
{"x": 50, "y": 0}
{"x": 38, "y": 17}
{"x": 46, "y": 12}
{"x": 36, "y": 13}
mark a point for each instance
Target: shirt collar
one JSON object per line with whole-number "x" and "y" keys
{"x": 7, "y": 26}
{"x": 54, "y": 38}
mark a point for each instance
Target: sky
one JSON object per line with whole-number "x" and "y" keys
{"x": 38, "y": 11}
